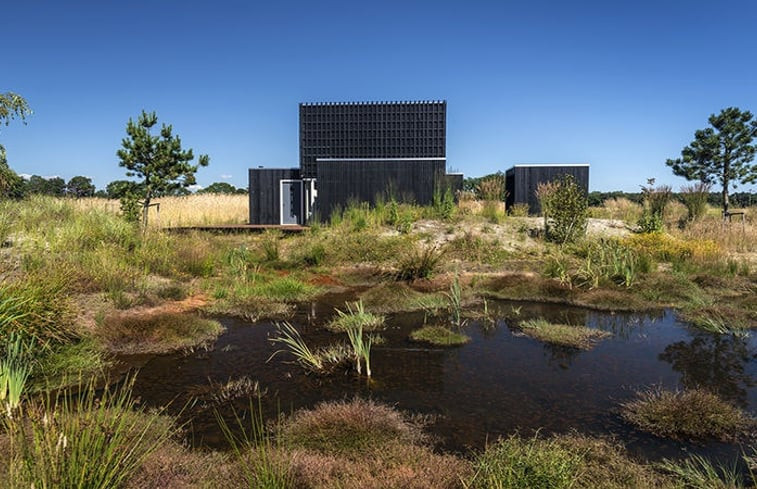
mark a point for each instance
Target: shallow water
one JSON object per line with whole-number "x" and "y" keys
{"x": 498, "y": 384}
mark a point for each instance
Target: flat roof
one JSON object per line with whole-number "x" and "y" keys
{"x": 374, "y": 102}
{"x": 382, "y": 159}
{"x": 526, "y": 165}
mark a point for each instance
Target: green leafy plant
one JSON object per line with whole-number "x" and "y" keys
{"x": 655, "y": 199}
{"x": 15, "y": 369}
{"x": 564, "y": 207}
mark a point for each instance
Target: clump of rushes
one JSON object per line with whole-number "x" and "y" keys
{"x": 82, "y": 439}
{"x": 455, "y": 303}
{"x": 320, "y": 361}
{"x": 439, "y": 335}
{"x": 526, "y": 462}
{"x": 419, "y": 263}
{"x": 258, "y": 454}
{"x": 14, "y": 372}
{"x": 156, "y": 333}
{"x": 361, "y": 348}
{"x": 690, "y": 414}
{"x": 579, "y": 337}
{"x": 354, "y": 317}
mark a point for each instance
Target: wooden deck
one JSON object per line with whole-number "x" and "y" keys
{"x": 237, "y": 228}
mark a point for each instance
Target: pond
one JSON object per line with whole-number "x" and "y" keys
{"x": 500, "y": 383}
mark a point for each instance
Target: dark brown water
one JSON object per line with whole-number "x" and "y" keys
{"x": 498, "y": 384}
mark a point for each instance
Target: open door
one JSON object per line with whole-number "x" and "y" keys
{"x": 291, "y": 202}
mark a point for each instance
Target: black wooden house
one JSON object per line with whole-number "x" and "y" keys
{"x": 356, "y": 151}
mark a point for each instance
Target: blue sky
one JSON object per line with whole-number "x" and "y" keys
{"x": 620, "y": 85}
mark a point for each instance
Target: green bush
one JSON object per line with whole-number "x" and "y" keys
{"x": 564, "y": 207}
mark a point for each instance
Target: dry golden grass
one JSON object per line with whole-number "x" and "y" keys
{"x": 190, "y": 210}
{"x": 735, "y": 236}
{"x": 623, "y": 209}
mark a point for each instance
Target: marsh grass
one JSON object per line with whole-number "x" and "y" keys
{"x": 691, "y": 414}
{"x": 534, "y": 463}
{"x": 84, "y": 439}
{"x": 15, "y": 369}
{"x": 392, "y": 297}
{"x": 322, "y": 360}
{"x": 361, "y": 347}
{"x": 156, "y": 333}
{"x": 354, "y": 316}
{"x": 579, "y": 337}
{"x": 419, "y": 263}
{"x": 256, "y": 451}
{"x": 349, "y": 428}
{"x": 439, "y": 336}
{"x": 697, "y": 472}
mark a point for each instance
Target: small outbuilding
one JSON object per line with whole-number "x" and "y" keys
{"x": 521, "y": 181}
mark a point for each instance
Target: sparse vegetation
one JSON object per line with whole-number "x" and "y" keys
{"x": 162, "y": 332}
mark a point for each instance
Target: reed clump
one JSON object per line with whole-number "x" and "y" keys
{"x": 690, "y": 414}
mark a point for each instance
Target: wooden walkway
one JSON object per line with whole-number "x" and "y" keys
{"x": 237, "y": 228}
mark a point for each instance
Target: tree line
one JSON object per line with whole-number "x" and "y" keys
{"x": 81, "y": 186}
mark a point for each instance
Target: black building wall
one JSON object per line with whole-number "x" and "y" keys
{"x": 371, "y": 130}
{"x": 343, "y": 181}
{"x": 521, "y": 182}
{"x": 265, "y": 203}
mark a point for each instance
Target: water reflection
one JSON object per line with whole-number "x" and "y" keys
{"x": 715, "y": 362}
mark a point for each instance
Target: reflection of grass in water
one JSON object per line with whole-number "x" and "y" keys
{"x": 439, "y": 335}
{"x": 689, "y": 414}
{"x": 579, "y": 337}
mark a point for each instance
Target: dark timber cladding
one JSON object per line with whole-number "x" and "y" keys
{"x": 521, "y": 181}
{"x": 406, "y": 180}
{"x": 385, "y": 130}
{"x": 265, "y": 189}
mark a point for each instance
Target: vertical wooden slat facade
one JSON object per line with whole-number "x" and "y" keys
{"x": 343, "y": 181}
{"x": 521, "y": 181}
{"x": 265, "y": 188}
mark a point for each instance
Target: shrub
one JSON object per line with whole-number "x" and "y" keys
{"x": 694, "y": 197}
{"x": 564, "y": 207}
{"x": 655, "y": 199}
{"x": 669, "y": 248}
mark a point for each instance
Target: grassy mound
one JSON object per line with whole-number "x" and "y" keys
{"x": 579, "y": 337}
{"x": 439, "y": 335}
{"x": 689, "y": 414}
{"x": 156, "y": 333}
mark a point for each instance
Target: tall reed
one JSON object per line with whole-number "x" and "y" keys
{"x": 361, "y": 347}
